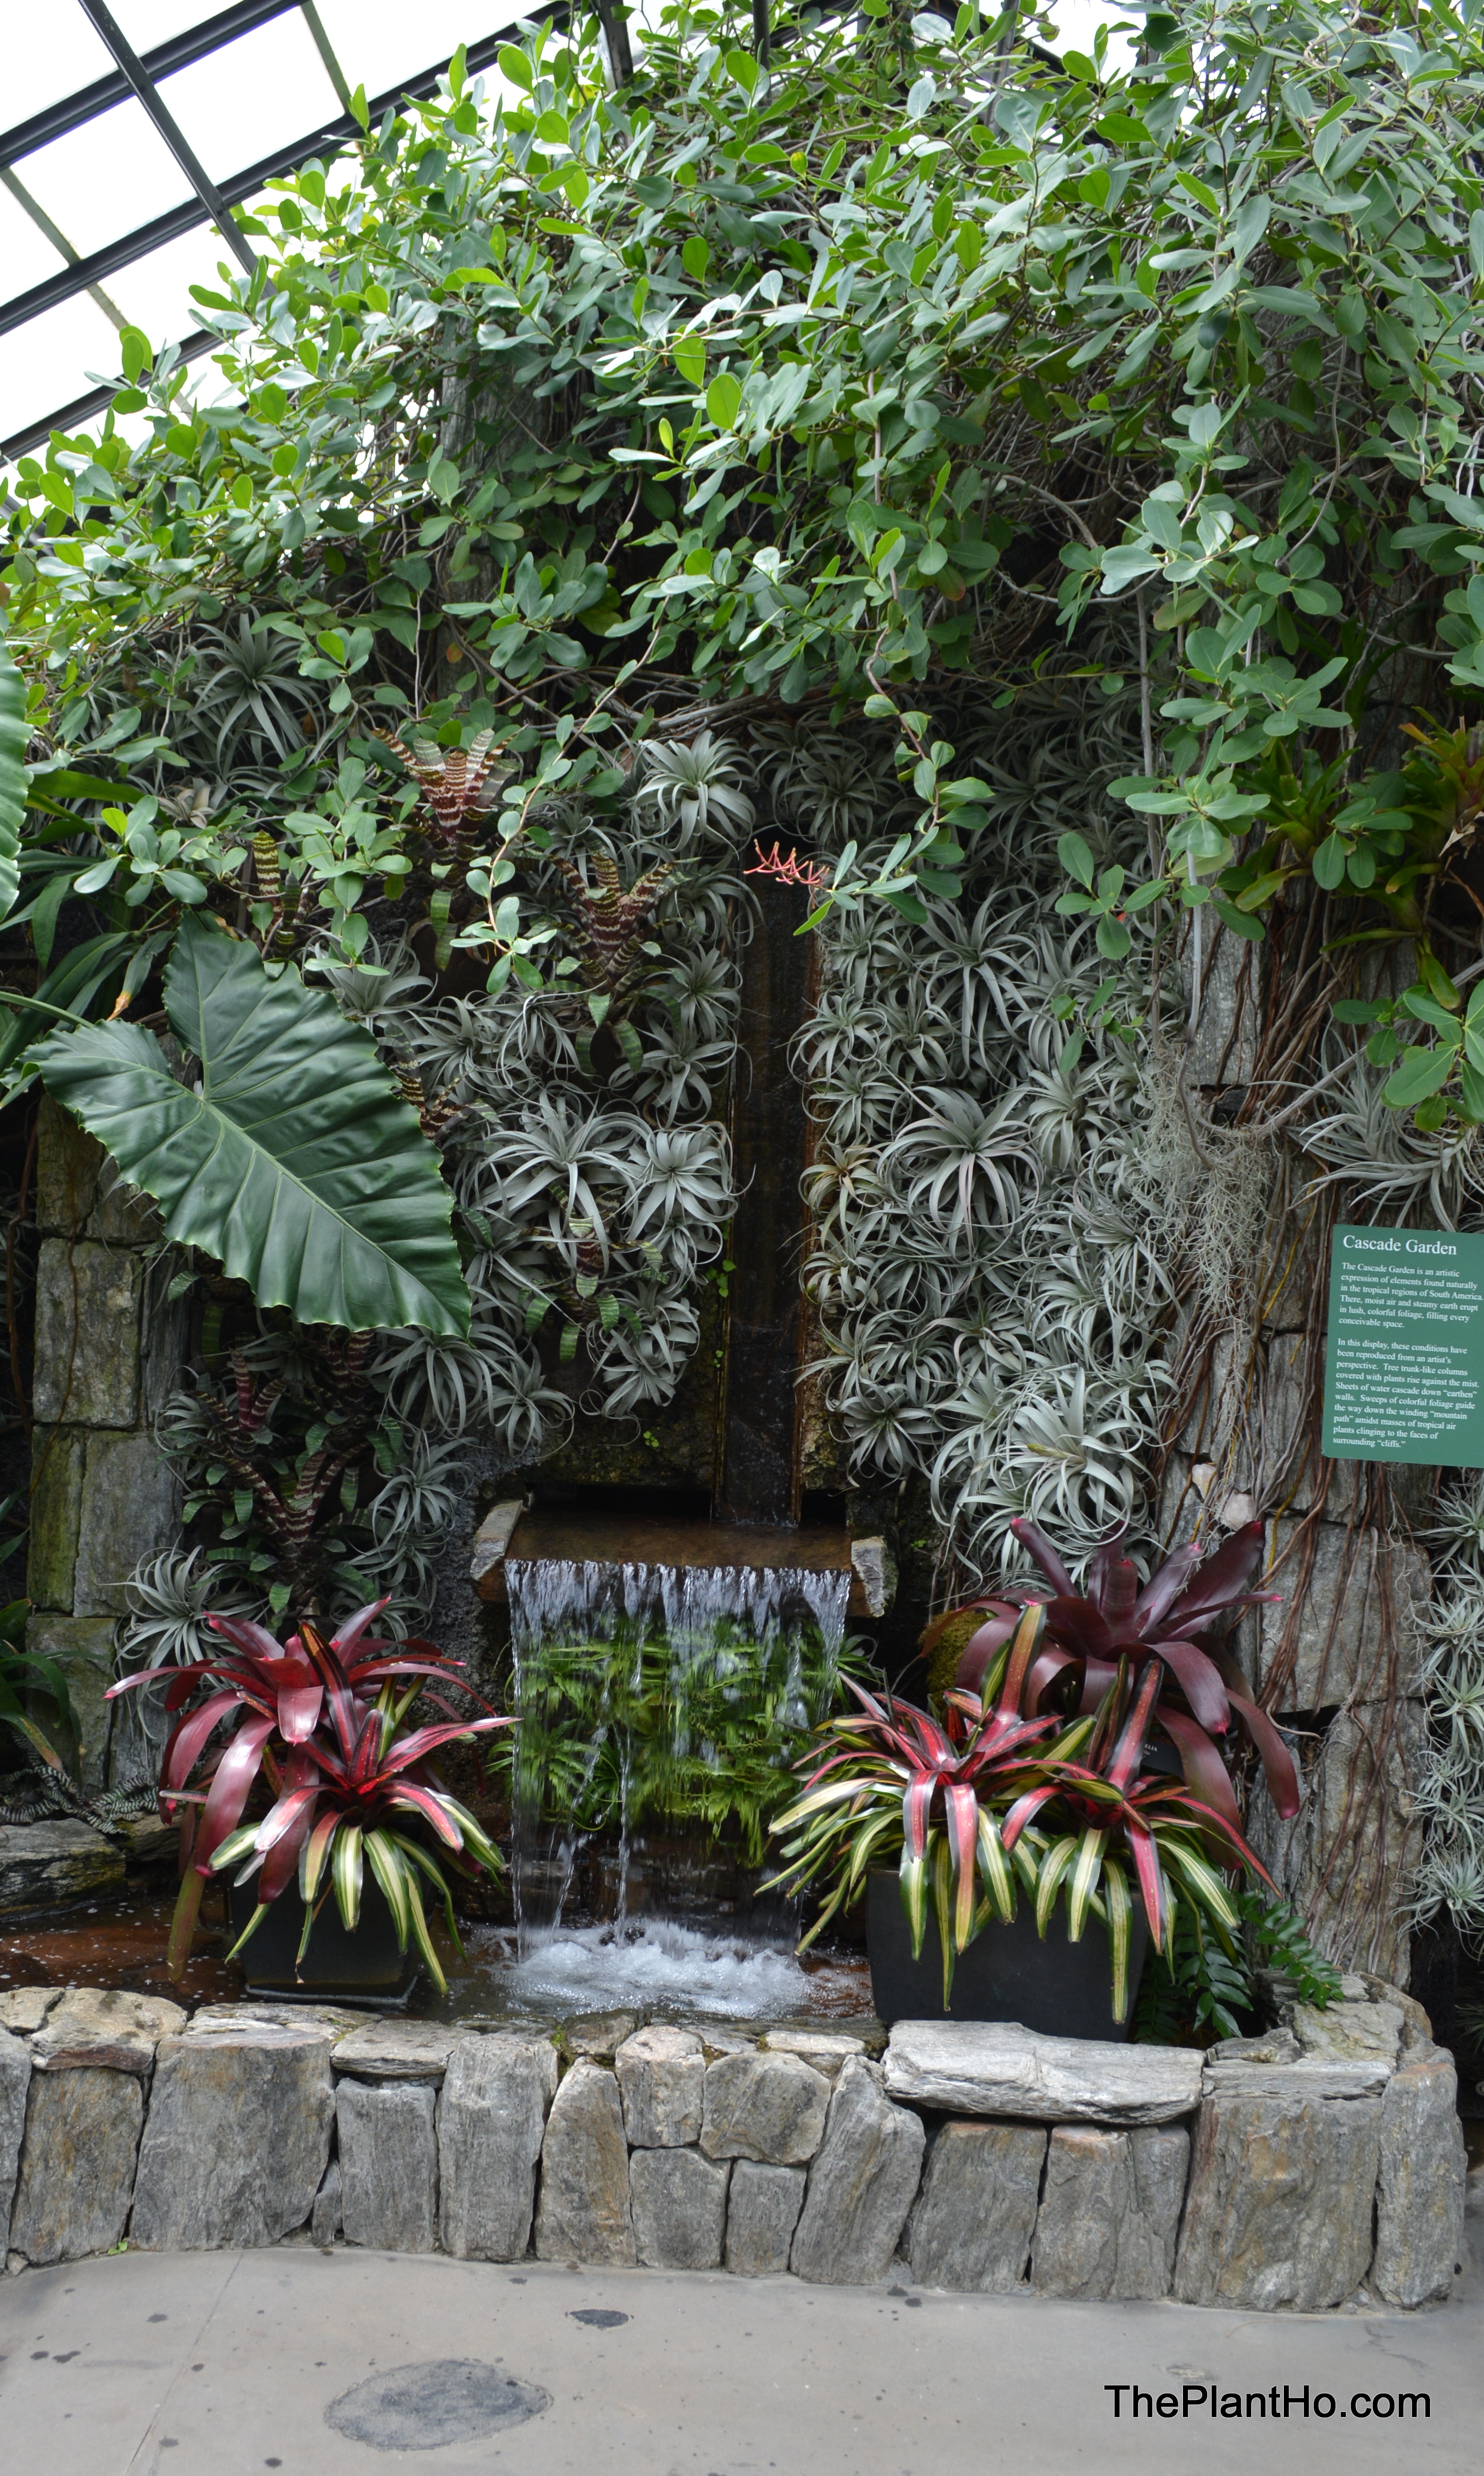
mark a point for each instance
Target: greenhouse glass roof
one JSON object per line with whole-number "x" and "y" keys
{"x": 134, "y": 128}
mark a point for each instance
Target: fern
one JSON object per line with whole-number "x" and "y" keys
{"x": 1277, "y": 1937}
{"x": 1203, "y": 1992}
{"x": 1197, "y": 1996}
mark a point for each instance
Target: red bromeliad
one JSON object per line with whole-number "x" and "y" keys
{"x": 897, "y": 1769}
{"x": 1169, "y": 1618}
{"x": 321, "y": 1721}
{"x": 1044, "y": 1776}
{"x": 1106, "y": 1809}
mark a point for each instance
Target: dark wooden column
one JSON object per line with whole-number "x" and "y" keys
{"x": 758, "y": 1464}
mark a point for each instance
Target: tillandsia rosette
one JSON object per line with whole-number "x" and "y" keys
{"x": 323, "y": 1723}
{"x": 1039, "y": 1767}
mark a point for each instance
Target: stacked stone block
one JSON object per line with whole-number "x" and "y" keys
{"x": 1289, "y": 2171}
{"x": 108, "y": 1349}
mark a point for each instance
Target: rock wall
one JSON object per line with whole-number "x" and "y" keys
{"x": 1293, "y": 2171}
{"x": 108, "y": 1349}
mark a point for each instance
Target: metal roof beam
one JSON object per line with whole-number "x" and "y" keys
{"x": 327, "y": 52}
{"x": 67, "y": 417}
{"x": 84, "y": 272}
{"x": 174, "y": 135}
{"x": 196, "y": 43}
{"x": 183, "y": 218}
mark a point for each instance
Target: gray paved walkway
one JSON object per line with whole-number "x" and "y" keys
{"x": 221, "y": 2364}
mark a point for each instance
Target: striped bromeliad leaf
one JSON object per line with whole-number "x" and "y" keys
{"x": 1037, "y": 1777}
{"x": 1175, "y": 1843}
{"x": 324, "y": 1723}
{"x": 894, "y": 1775}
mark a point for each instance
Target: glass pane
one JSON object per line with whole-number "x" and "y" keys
{"x": 252, "y": 97}
{"x": 144, "y": 23}
{"x": 106, "y": 178}
{"x": 1076, "y": 23}
{"x": 26, "y": 256}
{"x": 45, "y": 363}
{"x": 50, "y": 51}
{"x": 379, "y": 42}
{"x": 154, "y": 292}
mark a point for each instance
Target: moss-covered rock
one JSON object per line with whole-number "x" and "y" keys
{"x": 949, "y": 1648}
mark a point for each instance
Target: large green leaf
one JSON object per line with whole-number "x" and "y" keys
{"x": 296, "y": 1164}
{"x": 12, "y": 776}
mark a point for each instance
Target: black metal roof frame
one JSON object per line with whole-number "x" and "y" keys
{"x": 139, "y": 75}
{"x": 197, "y": 43}
{"x": 81, "y": 274}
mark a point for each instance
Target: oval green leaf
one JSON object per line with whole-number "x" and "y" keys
{"x": 722, "y": 400}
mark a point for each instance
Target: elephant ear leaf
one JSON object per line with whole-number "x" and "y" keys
{"x": 14, "y": 776}
{"x": 296, "y": 1163}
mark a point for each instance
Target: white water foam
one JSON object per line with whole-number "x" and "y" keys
{"x": 659, "y": 1964}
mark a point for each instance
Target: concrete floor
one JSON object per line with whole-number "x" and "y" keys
{"x": 221, "y": 2364}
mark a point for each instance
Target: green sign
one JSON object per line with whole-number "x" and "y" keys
{"x": 1404, "y": 1368}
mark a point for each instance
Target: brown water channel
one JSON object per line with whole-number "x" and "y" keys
{"x": 703, "y": 1968}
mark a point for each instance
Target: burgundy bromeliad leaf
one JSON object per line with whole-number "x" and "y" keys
{"x": 1168, "y": 1619}
{"x": 305, "y": 1721}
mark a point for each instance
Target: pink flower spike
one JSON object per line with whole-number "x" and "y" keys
{"x": 791, "y": 871}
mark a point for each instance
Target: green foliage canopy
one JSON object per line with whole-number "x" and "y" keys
{"x": 548, "y": 414}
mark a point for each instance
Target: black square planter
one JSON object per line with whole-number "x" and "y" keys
{"x": 365, "y": 1967}
{"x": 1063, "y": 1989}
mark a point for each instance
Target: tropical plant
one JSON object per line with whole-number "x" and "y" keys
{"x": 1111, "y": 1817}
{"x": 688, "y": 790}
{"x": 1451, "y": 1791}
{"x": 26, "y": 1677}
{"x": 457, "y": 785}
{"x": 1166, "y": 1622}
{"x": 643, "y": 1726}
{"x": 1103, "y": 263}
{"x": 293, "y": 1161}
{"x": 275, "y": 579}
{"x": 999, "y": 1788}
{"x": 1195, "y": 1990}
{"x": 826, "y": 391}
{"x": 894, "y": 1777}
{"x": 323, "y": 1724}
{"x": 1198, "y": 1989}
{"x": 276, "y": 1451}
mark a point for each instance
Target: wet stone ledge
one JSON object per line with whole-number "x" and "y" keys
{"x": 44, "y": 1864}
{"x": 1318, "y": 2165}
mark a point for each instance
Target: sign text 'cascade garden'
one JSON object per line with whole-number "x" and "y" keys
{"x": 1404, "y": 1370}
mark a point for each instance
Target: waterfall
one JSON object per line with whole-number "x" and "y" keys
{"x": 635, "y": 1684}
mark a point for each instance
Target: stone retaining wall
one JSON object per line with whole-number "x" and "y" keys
{"x": 1292, "y": 2172}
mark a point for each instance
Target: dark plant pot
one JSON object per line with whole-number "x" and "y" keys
{"x": 366, "y": 1965}
{"x": 1007, "y": 1973}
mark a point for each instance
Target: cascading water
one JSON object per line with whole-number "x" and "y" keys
{"x": 659, "y": 1694}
